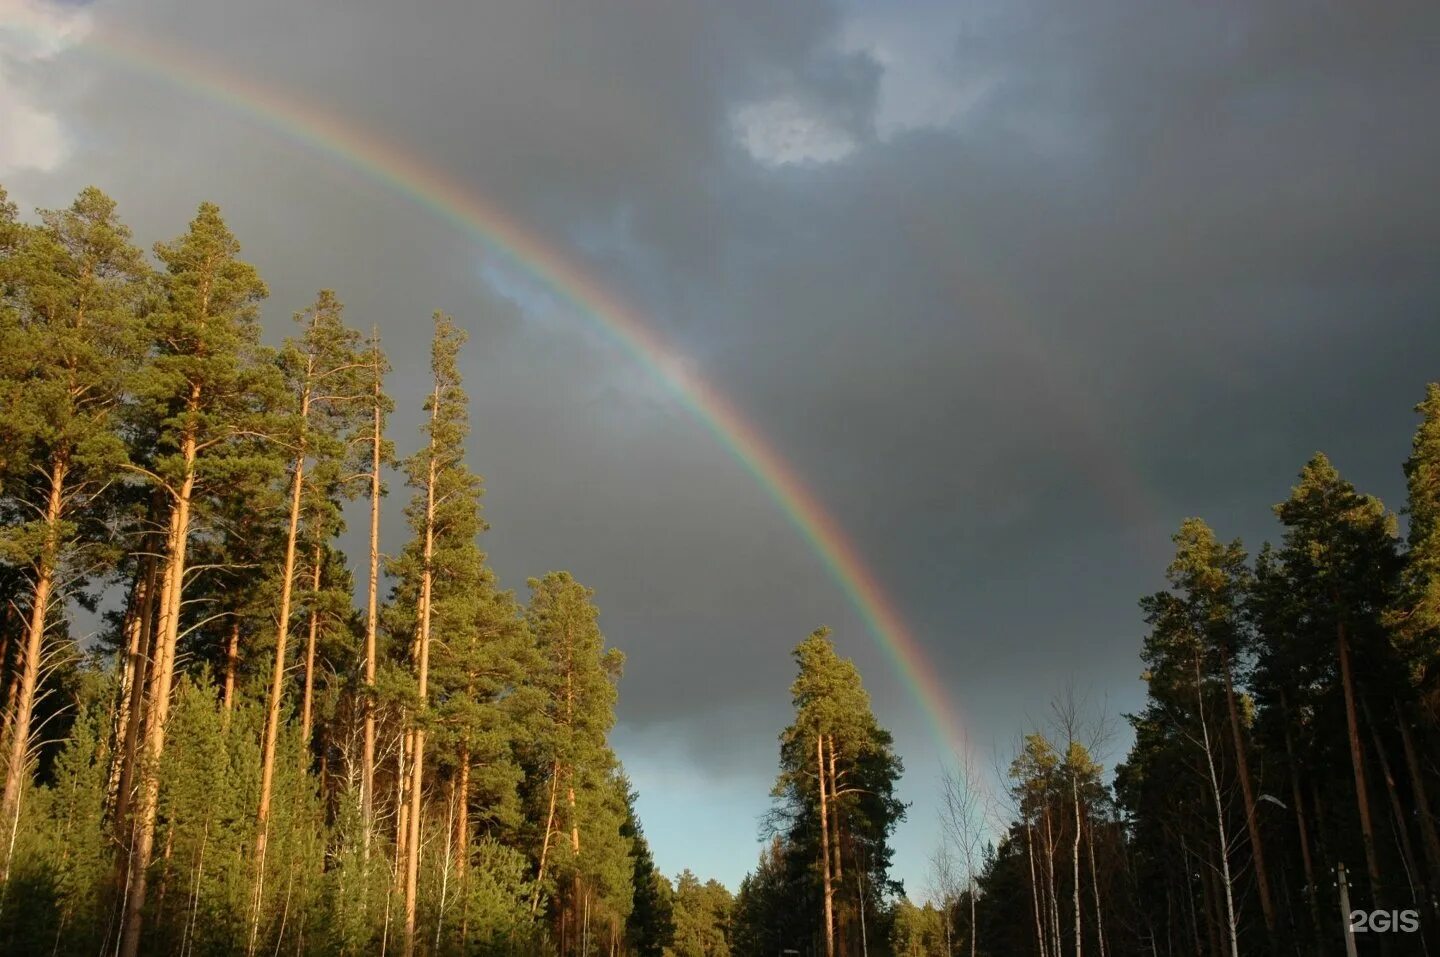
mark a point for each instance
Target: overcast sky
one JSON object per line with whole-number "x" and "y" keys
{"x": 1014, "y": 286}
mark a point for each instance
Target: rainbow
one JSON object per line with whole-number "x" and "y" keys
{"x": 411, "y": 176}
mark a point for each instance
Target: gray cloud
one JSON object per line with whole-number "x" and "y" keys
{"x": 1031, "y": 283}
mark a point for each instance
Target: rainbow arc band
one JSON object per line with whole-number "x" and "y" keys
{"x": 407, "y": 174}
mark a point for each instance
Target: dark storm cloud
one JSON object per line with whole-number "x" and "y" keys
{"x": 1143, "y": 261}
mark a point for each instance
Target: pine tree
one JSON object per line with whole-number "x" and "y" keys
{"x": 380, "y": 454}
{"x": 1415, "y": 620}
{"x": 1340, "y": 562}
{"x": 577, "y": 679}
{"x": 436, "y": 570}
{"x": 835, "y": 790}
{"x": 205, "y": 394}
{"x": 323, "y": 371}
{"x": 66, "y": 352}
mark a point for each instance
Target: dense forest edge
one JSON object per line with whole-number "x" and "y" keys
{"x": 244, "y": 758}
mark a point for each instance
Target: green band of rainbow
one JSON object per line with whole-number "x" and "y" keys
{"x": 411, "y": 176}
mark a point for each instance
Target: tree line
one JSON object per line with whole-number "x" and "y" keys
{"x": 243, "y": 758}
{"x": 1284, "y": 766}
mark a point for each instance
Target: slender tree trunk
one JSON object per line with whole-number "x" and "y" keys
{"x": 1402, "y": 831}
{"x": 422, "y": 676}
{"x": 1075, "y": 863}
{"x": 574, "y": 816}
{"x": 1095, "y": 888}
{"x": 307, "y": 701}
{"x": 141, "y": 664}
{"x": 1357, "y": 761}
{"x": 402, "y": 808}
{"x": 5, "y": 623}
{"x": 1052, "y": 888}
{"x": 17, "y": 768}
{"x": 545, "y": 842}
{"x": 839, "y": 870}
{"x": 1224, "y": 845}
{"x": 129, "y": 690}
{"x": 1296, "y": 797}
{"x": 232, "y": 665}
{"x": 1252, "y": 824}
{"x": 1190, "y": 900}
{"x": 974, "y": 928}
{"x": 825, "y": 848}
{"x": 367, "y": 772}
{"x": 462, "y": 810}
{"x": 277, "y": 676}
{"x": 1429, "y": 839}
{"x": 1213, "y": 919}
{"x": 1034, "y": 890}
{"x": 161, "y": 677}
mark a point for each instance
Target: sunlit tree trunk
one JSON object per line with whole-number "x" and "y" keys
{"x": 131, "y": 682}
{"x": 422, "y": 677}
{"x": 462, "y": 808}
{"x": 367, "y": 773}
{"x": 549, "y": 829}
{"x": 161, "y": 677}
{"x": 307, "y": 700}
{"x": 277, "y": 673}
{"x": 19, "y": 745}
{"x": 825, "y": 847}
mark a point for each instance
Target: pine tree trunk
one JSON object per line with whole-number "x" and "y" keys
{"x": 161, "y": 677}
{"x": 825, "y": 847}
{"x": 129, "y": 671}
{"x": 1429, "y": 839}
{"x": 1189, "y": 892}
{"x": 18, "y": 764}
{"x": 462, "y": 810}
{"x": 545, "y": 842}
{"x": 1392, "y": 793}
{"x": 574, "y": 817}
{"x": 140, "y": 667}
{"x": 1357, "y": 761}
{"x": 422, "y": 677}
{"x": 1296, "y": 797}
{"x": 232, "y": 665}
{"x": 1213, "y": 919}
{"x": 402, "y": 808}
{"x": 367, "y": 767}
{"x": 1252, "y": 824}
{"x": 839, "y": 870}
{"x": 307, "y": 701}
{"x": 277, "y": 679}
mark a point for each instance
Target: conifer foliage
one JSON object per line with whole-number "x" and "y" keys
{"x": 268, "y": 745}
{"x": 243, "y": 761}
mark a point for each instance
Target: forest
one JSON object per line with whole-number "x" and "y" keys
{"x": 269, "y": 746}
